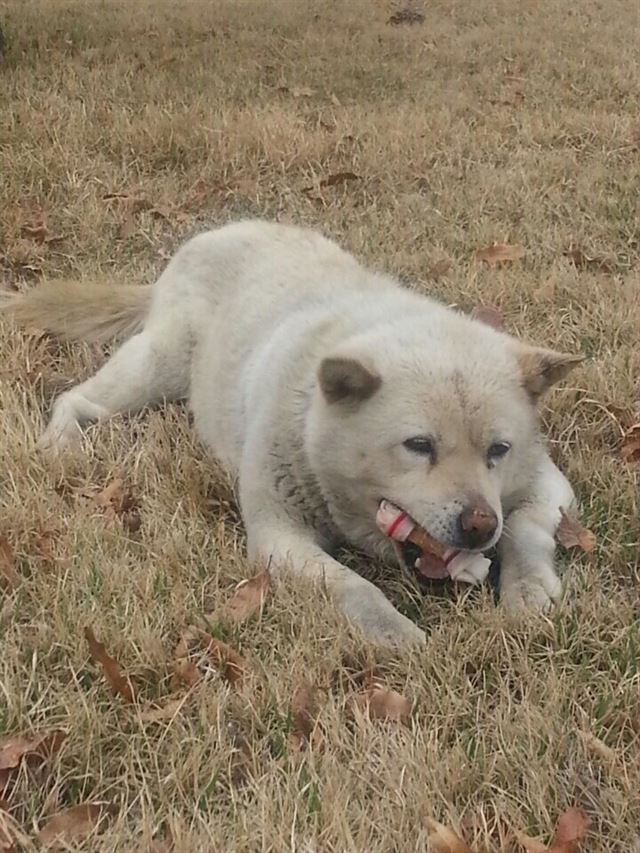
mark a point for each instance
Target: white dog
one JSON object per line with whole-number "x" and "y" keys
{"x": 325, "y": 388}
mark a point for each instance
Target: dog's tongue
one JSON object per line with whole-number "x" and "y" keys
{"x": 432, "y": 567}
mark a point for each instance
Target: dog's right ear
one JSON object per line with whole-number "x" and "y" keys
{"x": 347, "y": 379}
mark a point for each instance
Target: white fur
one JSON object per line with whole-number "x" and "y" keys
{"x": 239, "y": 323}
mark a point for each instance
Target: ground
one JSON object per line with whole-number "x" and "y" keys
{"x": 486, "y": 121}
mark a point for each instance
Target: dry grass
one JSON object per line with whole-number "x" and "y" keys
{"x": 490, "y": 121}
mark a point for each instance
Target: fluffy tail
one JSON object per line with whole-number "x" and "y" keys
{"x": 81, "y": 310}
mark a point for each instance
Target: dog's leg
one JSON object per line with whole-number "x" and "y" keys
{"x": 146, "y": 369}
{"x": 278, "y": 543}
{"x": 528, "y": 580}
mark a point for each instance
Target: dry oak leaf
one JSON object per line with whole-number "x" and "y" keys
{"x": 30, "y": 748}
{"x": 572, "y": 534}
{"x": 303, "y": 723}
{"x": 8, "y": 573}
{"x": 382, "y": 703}
{"x": 38, "y": 230}
{"x": 168, "y": 711}
{"x": 630, "y": 448}
{"x": 406, "y": 16}
{"x": 445, "y": 840}
{"x": 118, "y": 682}
{"x": 330, "y": 181}
{"x": 229, "y": 661}
{"x": 8, "y": 834}
{"x": 582, "y": 261}
{"x": 439, "y": 269}
{"x": 489, "y": 315}
{"x": 185, "y": 670}
{"x": 115, "y": 500}
{"x": 499, "y": 253}
{"x": 248, "y": 598}
{"x": 72, "y": 824}
{"x": 570, "y": 830}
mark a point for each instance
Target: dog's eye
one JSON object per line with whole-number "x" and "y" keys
{"x": 421, "y": 444}
{"x": 497, "y": 450}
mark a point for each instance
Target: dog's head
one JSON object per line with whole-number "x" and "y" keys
{"x": 441, "y": 422}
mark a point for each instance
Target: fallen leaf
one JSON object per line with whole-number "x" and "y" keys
{"x": 38, "y": 230}
{"x": 8, "y": 573}
{"x": 8, "y": 837}
{"x": 162, "y": 845}
{"x": 167, "y": 711}
{"x": 445, "y": 840}
{"x": 44, "y": 544}
{"x": 572, "y": 534}
{"x": 233, "y": 665}
{"x": 381, "y": 703}
{"x": 531, "y": 845}
{"x": 330, "y": 181}
{"x": 184, "y": 669}
{"x": 115, "y": 500}
{"x": 439, "y": 269}
{"x": 570, "y": 830}
{"x": 299, "y": 91}
{"x": 489, "y": 315}
{"x": 499, "y": 253}
{"x": 630, "y": 448}
{"x": 597, "y": 747}
{"x": 30, "y": 748}
{"x": 547, "y": 289}
{"x": 248, "y": 598}
{"x": 127, "y": 227}
{"x": 406, "y": 16}
{"x": 118, "y": 682}
{"x": 170, "y": 214}
{"x": 303, "y": 723}
{"x": 582, "y": 261}
{"x": 70, "y": 825}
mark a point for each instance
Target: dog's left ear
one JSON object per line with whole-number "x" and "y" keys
{"x": 347, "y": 379}
{"x": 541, "y": 368}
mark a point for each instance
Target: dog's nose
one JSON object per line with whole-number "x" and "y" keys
{"x": 478, "y": 522}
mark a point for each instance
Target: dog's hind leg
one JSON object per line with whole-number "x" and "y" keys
{"x": 150, "y": 367}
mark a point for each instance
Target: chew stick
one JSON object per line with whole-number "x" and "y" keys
{"x": 401, "y": 527}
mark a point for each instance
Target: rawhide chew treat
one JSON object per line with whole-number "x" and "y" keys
{"x": 395, "y": 523}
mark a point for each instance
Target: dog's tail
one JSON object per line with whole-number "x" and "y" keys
{"x": 85, "y": 311}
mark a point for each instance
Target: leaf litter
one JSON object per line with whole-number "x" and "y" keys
{"x": 248, "y": 598}
{"x": 114, "y": 676}
{"x": 499, "y": 253}
{"x": 571, "y": 533}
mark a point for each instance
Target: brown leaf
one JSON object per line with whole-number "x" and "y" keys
{"x": 381, "y": 703}
{"x": 406, "y": 16}
{"x": 572, "y": 534}
{"x": 248, "y": 598}
{"x": 118, "y": 682}
{"x": 30, "y": 748}
{"x": 72, "y": 824}
{"x": 531, "y": 845}
{"x": 8, "y": 573}
{"x": 570, "y": 830}
{"x": 499, "y": 253}
{"x": 489, "y": 315}
{"x": 547, "y": 289}
{"x": 582, "y": 261}
{"x": 330, "y": 181}
{"x": 440, "y": 269}
{"x": 597, "y": 747}
{"x": 630, "y": 448}
{"x": 445, "y": 840}
{"x": 115, "y": 500}
{"x": 303, "y": 722}
{"x": 158, "y": 713}
{"x": 233, "y": 665}
{"x": 8, "y": 839}
{"x": 185, "y": 670}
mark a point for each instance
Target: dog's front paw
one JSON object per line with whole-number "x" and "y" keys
{"x": 368, "y": 608}
{"x": 531, "y": 593}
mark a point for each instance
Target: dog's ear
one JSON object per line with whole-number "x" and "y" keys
{"x": 541, "y": 368}
{"x": 347, "y": 379}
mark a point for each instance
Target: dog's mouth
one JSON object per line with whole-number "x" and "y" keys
{"x": 424, "y": 556}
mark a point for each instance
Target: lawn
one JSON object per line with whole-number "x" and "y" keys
{"x": 127, "y": 127}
